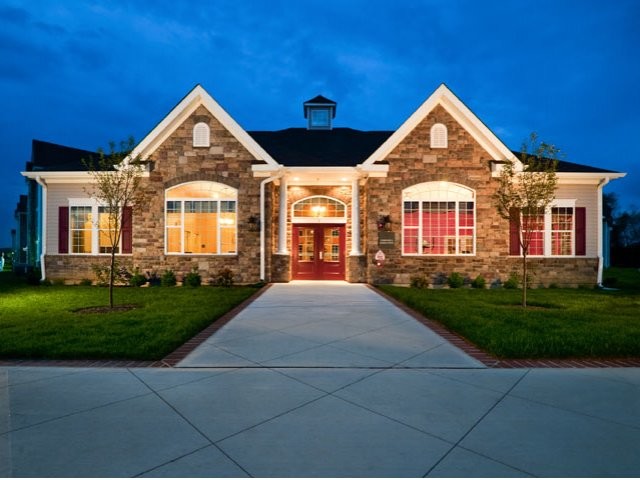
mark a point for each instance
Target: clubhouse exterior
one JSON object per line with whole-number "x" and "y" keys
{"x": 316, "y": 203}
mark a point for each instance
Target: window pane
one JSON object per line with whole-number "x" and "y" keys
{"x": 562, "y": 231}
{"x": 200, "y": 227}
{"x": 319, "y": 207}
{"x": 81, "y": 226}
{"x": 106, "y": 231}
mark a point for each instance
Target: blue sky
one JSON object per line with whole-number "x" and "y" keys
{"x": 82, "y": 73}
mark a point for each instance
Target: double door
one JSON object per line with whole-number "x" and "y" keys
{"x": 318, "y": 252}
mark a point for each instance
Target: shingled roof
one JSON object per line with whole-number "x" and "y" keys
{"x": 50, "y": 157}
{"x": 570, "y": 167}
{"x": 339, "y": 147}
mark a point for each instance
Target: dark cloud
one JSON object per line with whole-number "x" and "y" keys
{"x": 85, "y": 73}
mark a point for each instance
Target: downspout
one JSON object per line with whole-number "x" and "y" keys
{"x": 601, "y": 185}
{"x": 262, "y": 224}
{"x": 43, "y": 241}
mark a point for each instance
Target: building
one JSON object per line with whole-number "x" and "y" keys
{"x": 318, "y": 202}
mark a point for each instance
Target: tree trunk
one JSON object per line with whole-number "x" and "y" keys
{"x": 112, "y": 277}
{"x": 525, "y": 275}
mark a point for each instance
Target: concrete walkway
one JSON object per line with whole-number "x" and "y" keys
{"x": 325, "y": 324}
{"x": 369, "y": 401}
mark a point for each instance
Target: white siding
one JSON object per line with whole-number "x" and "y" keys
{"x": 58, "y": 195}
{"x": 585, "y": 196}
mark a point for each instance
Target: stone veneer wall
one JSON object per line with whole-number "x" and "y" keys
{"x": 176, "y": 161}
{"x": 464, "y": 162}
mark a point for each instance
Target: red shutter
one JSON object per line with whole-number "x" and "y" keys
{"x": 127, "y": 230}
{"x": 63, "y": 229}
{"x": 581, "y": 231}
{"x": 514, "y": 233}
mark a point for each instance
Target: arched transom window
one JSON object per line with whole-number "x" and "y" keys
{"x": 438, "y": 218}
{"x": 201, "y": 219}
{"x": 319, "y": 209}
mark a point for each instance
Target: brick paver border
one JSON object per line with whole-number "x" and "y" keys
{"x": 494, "y": 362}
{"x": 463, "y": 344}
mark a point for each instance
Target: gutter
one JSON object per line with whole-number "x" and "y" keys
{"x": 43, "y": 242}
{"x": 262, "y": 223}
{"x": 601, "y": 185}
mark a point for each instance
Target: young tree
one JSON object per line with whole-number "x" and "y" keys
{"x": 117, "y": 189}
{"x": 525, "y": 193}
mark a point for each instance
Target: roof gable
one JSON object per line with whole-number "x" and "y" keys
{"x": 196, "y": 97}
{"x": 460, "y": 112}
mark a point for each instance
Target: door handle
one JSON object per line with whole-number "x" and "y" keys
{"x": 321, "y": 255}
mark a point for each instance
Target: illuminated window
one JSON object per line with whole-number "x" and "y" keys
{"x": 200, "y": 218}
{"x": 438, "y": 219}
{"x": 551, "y": 233}
{"x": 319, "y": 209}
{"x": 91, "y": 229}
{"x": 439, "y": 136}
{"x": 201, "y": 135}
{"x": 81, "y": 228}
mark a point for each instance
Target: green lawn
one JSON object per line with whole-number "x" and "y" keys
{"x": 560, "y": 323}
{"x": 39, "y": 322}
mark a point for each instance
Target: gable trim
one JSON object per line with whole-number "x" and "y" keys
{"x": 460, "y": 112}
{"x": 196, "y": 97}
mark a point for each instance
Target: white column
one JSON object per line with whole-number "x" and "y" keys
{"x": 355, "y": 217}
{"x": 282, "y": 218}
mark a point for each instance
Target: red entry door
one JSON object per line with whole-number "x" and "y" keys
{"x": 318, "y": 252}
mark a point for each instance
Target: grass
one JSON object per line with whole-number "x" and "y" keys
{"x": 560, "y": 323}
{"x": 39, "y": 321}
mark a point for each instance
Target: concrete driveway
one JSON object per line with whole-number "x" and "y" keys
{"x": 370, "y": 401}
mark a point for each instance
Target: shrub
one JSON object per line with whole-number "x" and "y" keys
{"x": 85, "y": 282}
{"x": 512, "y": 282}
{"x": 153, "y": 279}
{"x": 479, "y": 282}
{"x": 455, "y": 280}
{"x": 224, "y": 278}
{"x": 168, "y": 279}
{"x": 419, "y": 281}
{"x": 33, "y": 277}
{"x": 609, "y": 281}
{"x": 193, "y": 278}
{"x": 137, "y": 279}
{"x": 121, "y": 277}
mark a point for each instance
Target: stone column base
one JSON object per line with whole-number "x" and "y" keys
{"x": 357, "y": 269}
{"x": 280, "y": 268}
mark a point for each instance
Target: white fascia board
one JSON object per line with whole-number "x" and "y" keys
{"x": 198, "y": 96}
{"x": 460, "y": 112}
{"x": 265, "y": 170}
{"x": 576, "y": 178}
{"x": 66, "y": 177}
{"x": 374, "y": 169}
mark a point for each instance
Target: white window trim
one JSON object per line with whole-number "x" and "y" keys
{"x": 95, "y": 230}
{"x": 413, "y": 194}
{"x": 181, "y": 228}
{"x": 547, "y": 237}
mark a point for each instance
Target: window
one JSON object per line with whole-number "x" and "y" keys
{"x": 201, "y": 135}
{"x": 86, "y": 228}
{"x": 81, "y": 223}
{"x": 553, "y": 232}
{"x": 439, "y": 137}
{"x": 319, "y": 209}
{"x": 320, "y": 118}
{"x": 201, "y": 219}
{"x": 438, "y": 219}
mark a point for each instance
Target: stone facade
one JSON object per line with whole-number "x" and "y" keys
{"x": 412, "y": 161}
{"x": 466, "y": 163}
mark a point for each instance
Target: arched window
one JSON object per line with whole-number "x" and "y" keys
{"x": 319, "y": 209}
{"x": 201, "y": 135}
{"x": 201, "y": 218}
{"x": 439, "y": 138}
{"x": 438, "y": 218}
